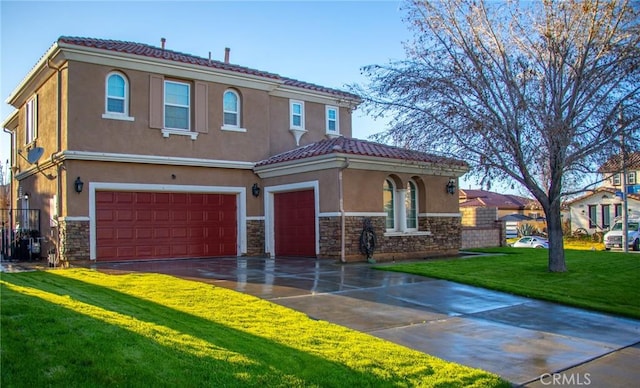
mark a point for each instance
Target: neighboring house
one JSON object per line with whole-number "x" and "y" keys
{"x": 132, "y": 151}
{"x": 514, "y": 210}
{"x": 596, "y": 210}
{"x": 507, "y": 204}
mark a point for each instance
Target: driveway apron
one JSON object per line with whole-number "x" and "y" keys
{"x": 528, "y": 342}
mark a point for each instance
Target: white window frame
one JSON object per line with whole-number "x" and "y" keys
{"x": 392, "y": 185}
{"x": 293, "y": 103}
{"x": 616, "y": 179}
{"x": 111, "y": 114}
{"x": 31, "y": 120}
{"x": 328, "y": 120}
{"x": 631, "y": 178}
{"x": 165, "y": 104}
{"x": 238, "y": 125}
{"x": 408, "y": 202}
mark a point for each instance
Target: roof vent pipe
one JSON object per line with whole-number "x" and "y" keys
{"x": 227, "y": 50}
{"x": 162, "y": 42}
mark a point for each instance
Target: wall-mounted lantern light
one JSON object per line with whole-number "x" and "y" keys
{"x": 255, "y": 190}
{"x": 451, "y": 187}
{"x": 78, "y": 185}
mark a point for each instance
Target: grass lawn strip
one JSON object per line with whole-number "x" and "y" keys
{"x": 600, "y": 281}
{"x": 86, "y": 328}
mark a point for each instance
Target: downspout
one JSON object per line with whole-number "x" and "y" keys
{"x": 342, "y": 212}
{"x": 10, "y": 133}
{"x": 58, "y": 202}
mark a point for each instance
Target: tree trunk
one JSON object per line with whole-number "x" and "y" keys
{"x": 556, "y": 243}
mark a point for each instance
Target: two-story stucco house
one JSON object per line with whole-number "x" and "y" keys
{"x": 595, "y": 211}
{"x": 132, "y": 151}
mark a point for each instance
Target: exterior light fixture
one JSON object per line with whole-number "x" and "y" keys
{"x": 255, "y": 190}
{"x": 451, "y": 187}
{"x": 78, "y": 185}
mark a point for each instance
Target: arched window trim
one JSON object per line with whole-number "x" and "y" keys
{"x": 237, "y": 126}
{"x": 124, "y": 115}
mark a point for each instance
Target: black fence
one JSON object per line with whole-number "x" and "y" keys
{"x": 20, "y": 235}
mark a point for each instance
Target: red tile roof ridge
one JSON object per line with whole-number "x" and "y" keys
{"x": 353, "y": 146}
{"x": 171, "y": 55}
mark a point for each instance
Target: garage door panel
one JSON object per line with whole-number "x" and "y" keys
{"x": 165, "y": 225}
{"x": 295, "y": 223}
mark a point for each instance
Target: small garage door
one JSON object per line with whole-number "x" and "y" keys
{"x": 294, "y": 224}
{"x": 146, "y": 225}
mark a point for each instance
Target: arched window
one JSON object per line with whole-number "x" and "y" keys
{"x": 411, "y": 206}
{"x": 117, "y": 94}
{"x": 231, "y": 109}
{"x": 389, "y": 203}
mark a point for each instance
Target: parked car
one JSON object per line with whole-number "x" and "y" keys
{"x": 613, "y": 238}
{"x": 531, "y": 242}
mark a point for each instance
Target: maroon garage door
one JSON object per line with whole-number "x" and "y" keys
{"x": 295, "y": 225}
{"x": 145, "y": 225}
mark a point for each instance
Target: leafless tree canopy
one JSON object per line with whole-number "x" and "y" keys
{"x": 530, "y": 92}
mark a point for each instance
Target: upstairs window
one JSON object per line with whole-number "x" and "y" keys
{"x": 297, "y": 114}
{"x": 31, "y": 120}
{"x": 117, "y": 94}
{"x": 177, "y": 109}
{"x": 332, "y": 121}
{"x": 616, "y": 180}
{"x": 231, "y": 109}
{"x": 631, "y": 178}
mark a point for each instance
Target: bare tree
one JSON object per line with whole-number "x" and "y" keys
{"x": 525, "y": 92}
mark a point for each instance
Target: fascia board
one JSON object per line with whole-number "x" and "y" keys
{"x": 11, "y": 122}
{"x": 357, "y": 162}
{"x": 166, "y": 67}
{"x": 35, "y": 76}
{"x": 152, "y": 159}
{"x": 317, "y": 96}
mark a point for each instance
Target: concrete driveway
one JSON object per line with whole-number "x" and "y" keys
{"x": 527, "y": 342}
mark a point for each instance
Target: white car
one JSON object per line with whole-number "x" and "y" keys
{"x": 531, "y": 242}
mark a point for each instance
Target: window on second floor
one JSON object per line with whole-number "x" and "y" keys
{"x": 296, "y": 109}
{"x": 332, "y": 121}
{"x": 117, "y": 95}
{"x": 616, "y": 180}
{"x": 177, "y": 108}
{"x": 31, "y": 120}
{"x": 231, "y": 109}
{"x": 631, "y": 178}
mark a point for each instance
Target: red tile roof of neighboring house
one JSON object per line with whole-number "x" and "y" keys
{"x": 351, "y": 146}
{"x": 605, "y": 190}
{"x": 157, "y": 52}
{"x": 483, "y": 198}
{"x": 614, "y": 163}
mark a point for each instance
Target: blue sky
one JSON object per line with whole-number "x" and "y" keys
{"x": 320, "y": 42}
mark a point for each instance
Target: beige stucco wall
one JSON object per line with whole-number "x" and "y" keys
{"x": 265, "y": 118}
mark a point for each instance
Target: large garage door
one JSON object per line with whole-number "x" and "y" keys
{"x": 295, "y": 226}
{"x": 146, "y": 225}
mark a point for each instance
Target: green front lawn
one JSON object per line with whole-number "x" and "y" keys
{"x": 82, "y": 328}
{"x": 602, "y": 281}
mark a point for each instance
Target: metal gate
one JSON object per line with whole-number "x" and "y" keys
{"x": 20, "y": 235}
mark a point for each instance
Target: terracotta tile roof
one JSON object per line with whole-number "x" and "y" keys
{"x": 157, "y": 52}
{"x": 614, "y": 163}
{"x": 351, "y": 146}
{"x": 483, "y": 198}
{"x": 605, "y": 190}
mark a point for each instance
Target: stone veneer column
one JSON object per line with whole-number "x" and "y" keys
{"x": 73, "y": 239}
{"x": 255, "y": 237}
